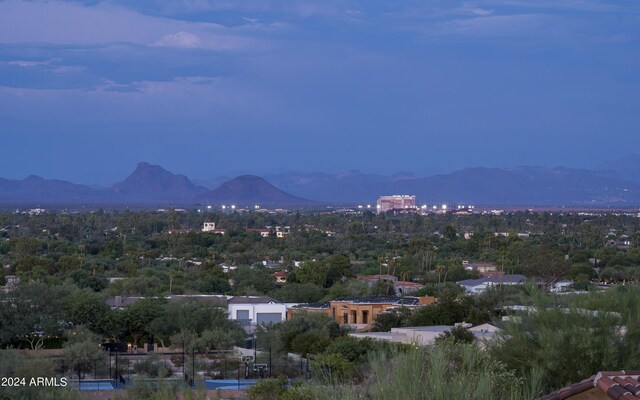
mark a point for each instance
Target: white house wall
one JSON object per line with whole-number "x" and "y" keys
{"x": 255, "y": 309}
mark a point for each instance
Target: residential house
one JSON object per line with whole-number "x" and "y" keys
{"x": 11, "y": 282}
{"x": 561, "y": 286}
{"x": 271, "y": 264}
{"x": 405, "y": 287}
{"x": 120, "y": 302}
{"x": 427, "y": 335}
{"x": 255, "y": 310}
{"x": 210, "y": 227}
{"x": 373, "y": 280}
{"x": 226, "y": 268}
{"x": 262, "y": 232}
{"x": 605, "y": 385}
{"x": 178, "y": 231}
{"x": 281, "y": 277}
{"x": 360, "y": 312}
{"x": 475, "y": 286}
{"x": 400, "y": 287}
{"x": 482, "y": 268}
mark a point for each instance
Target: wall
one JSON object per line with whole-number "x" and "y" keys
{"x": 257, "y": 308}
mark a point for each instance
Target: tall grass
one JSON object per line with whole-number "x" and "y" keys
{"x": 442, "y": 372}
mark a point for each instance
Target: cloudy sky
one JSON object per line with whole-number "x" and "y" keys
{"x": 211, "y": 87}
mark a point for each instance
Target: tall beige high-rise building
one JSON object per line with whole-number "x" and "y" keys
{"x": 395, "y": 202}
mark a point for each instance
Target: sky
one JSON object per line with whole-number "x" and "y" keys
{"x": 214, "y": 87}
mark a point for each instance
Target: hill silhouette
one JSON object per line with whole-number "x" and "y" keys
{"x": 248, "y": 190}
{"x": 152, "y": 182}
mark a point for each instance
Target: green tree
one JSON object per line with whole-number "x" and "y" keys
{"x": 85, "y": 307}
{"x": 457, "y": 334}
{"x": 566, "y": 344}
{"x": 268, "y": 389}
{"x": 138, "y": 315}
{"x": 31, "y": 313}
{"x": 393, "y": 318}
{"x": 298, "y": 293}
{"x": 82, "y": 351}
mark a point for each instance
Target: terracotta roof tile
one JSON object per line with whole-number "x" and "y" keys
{"x": 616, "y": 391}
{"x": 569, "y": 391}
{"x": 617, "y": 385}
{"x": 604, "y": 383}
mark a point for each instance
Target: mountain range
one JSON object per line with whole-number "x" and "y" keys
{"x": 482, "y": 186}
{"x": 614, "y": 183}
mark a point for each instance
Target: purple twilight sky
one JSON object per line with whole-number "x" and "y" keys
{"x": 212, "y": 87}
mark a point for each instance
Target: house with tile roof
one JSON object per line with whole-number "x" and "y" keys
{"x": 606, "y": 385}
{"x": 406, "y": 287}
{"x": 481, "y": 268}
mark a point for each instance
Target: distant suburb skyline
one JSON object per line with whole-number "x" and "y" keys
{"x": 207, "y": 88}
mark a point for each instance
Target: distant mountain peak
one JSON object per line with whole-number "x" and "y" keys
{"x": 251, "y": 189}
{"x": 152, "y": 182}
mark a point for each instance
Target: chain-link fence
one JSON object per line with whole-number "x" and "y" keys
{"x": 119, "y": 369}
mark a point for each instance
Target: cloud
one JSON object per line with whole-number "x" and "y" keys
{"x": 595, "y": 6}
{"x": 476, "y": 11}
{"x": 66, "y": 68}
{"x": 213, "y": 100}
{"x": 180, "y": 39}
{"x": 60, "y": 23}
{"x": 27, "y": 64}
{"x": 498, "y": 25}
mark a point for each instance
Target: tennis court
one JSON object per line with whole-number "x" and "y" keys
{"x": 213, "y": 384}
{"x": 93, "y": 385}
